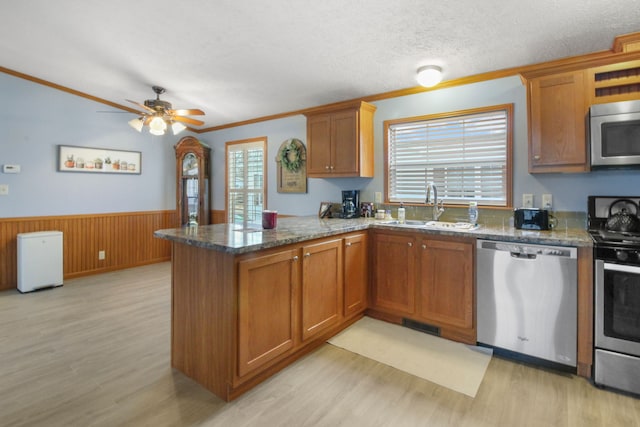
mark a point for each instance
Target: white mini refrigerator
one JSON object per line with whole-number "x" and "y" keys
{"x": 39, "y": 260}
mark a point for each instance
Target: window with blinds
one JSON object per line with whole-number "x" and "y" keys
{"x": 245, "y": 180}
{"x": 465, "y": 154}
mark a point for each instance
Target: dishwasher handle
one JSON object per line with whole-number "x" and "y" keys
{"x": 527, "y": 250}
{"x": 520, "y": 255}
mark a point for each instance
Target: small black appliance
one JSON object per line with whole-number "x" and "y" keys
{"x": 350, "y": 204}
{"x": 532, "y": 219}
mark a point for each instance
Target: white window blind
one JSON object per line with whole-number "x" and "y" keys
{"x": 245, "y": 182}
{"x": 465, "y": 156}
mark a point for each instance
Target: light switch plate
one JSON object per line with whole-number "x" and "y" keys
{"x": 547, "y": 201}
{"x": 527, "y": 200}
{"x": 4, "y": 189}
{"x": 11, "y": 168}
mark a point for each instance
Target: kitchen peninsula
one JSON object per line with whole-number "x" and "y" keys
{"x": 247, "y": 302}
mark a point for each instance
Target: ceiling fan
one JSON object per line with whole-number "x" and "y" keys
{"x": 158, "y": 115}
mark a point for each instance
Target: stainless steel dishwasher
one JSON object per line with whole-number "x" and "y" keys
{"x": 527, "y": 301}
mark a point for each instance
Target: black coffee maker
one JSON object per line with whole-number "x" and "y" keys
{"x": 350, "y": 204}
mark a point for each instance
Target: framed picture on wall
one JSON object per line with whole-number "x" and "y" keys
{"x": 98, "y": 160}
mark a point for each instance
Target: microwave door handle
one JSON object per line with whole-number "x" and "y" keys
{"x": 622, "y": 268}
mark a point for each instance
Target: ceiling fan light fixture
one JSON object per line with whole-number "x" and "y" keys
{"x": 157, "y": 126}
{"x": 177, "y": 127}
{"x": 429, "y": 75}
{"x": 159, "y": 115}
{"x": 137, "y": 124}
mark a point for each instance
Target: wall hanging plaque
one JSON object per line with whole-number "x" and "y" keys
{"x": 292, "y": 167}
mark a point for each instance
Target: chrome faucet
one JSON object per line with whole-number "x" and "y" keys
{"x": 438, "y": 209}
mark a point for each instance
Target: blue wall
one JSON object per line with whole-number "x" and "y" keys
{"x": 34, "y": 119}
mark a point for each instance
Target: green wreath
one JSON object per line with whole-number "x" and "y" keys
{"x": 292, "y": 165}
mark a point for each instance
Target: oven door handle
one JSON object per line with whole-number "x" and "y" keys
{"x": 623, "y": 268}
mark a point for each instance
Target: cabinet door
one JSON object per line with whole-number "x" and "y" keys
{"x": 344, "y": 142}
{"x": 321, "y": 286}
{"x": 393, "y": 273}
{"x": 557, "y": 114}
{"x": 356, "y": 278}
{"x": 319, "y": 144}
{"x": 446, "y": 282}
{"x": 266, "y": 309}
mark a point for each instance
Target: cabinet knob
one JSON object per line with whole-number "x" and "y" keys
{"x": 410, "y": 244}
{"x": 331, "y": 167}
{"x": 307, "y": 255}
{"x": 326, "y": 167}
{"x": 348, "y": 244}
{"x": 424, "y": 246}
{"x": 295, "y": 258}
{"x": 536, "y": 157}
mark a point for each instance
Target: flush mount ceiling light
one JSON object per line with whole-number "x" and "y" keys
{"x": 158, "y": 115}
{"x": 429, "y": 75}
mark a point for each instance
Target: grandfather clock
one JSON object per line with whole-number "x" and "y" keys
{"x": 192, "y": 181}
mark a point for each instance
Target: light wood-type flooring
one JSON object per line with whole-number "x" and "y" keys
{"x": 95, "y": 352}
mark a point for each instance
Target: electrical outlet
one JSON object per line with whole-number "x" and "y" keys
{"x": 378, "y": 197}
{"x": 547, "y": 201}
{"x": 4, "y": 189}
{"x": 101, "y": 255}
{"x": 527, "y": 200}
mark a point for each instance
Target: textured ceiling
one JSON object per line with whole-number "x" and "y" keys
{"x": 239, "y": 60}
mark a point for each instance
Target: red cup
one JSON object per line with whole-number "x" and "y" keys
{"x": 269, "y": 219}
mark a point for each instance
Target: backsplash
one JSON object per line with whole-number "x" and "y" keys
{"x": 489, "y": 217}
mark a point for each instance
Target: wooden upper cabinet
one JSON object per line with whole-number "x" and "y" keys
{"x": 340, "y": 141}
{"x": 614, "y": 82}
{"x": 558, "y": 110}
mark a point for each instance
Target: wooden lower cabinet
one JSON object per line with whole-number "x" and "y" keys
{"x": 446, "y": 286}
{"x": 321, "y": 287}
{"x": 430, "y": 280}
{"x": 267, "y": 307}
{"x": 394, "y": 274}
{"x": 238, "y": 319}
{"x": 356, "y": 277}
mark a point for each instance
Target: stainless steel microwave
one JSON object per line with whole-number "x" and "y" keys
{"x": 615, "y": 134}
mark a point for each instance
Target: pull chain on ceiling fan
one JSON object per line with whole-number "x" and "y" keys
{"x": 158, "y": 115}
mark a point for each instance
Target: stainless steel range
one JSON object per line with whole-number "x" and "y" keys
{"x": 615, "y": 228}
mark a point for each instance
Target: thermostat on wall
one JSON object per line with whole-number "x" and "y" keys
{"x": 11, "y": 168}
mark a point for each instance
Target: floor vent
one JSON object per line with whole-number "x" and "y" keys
{"x": 422, "y": 327}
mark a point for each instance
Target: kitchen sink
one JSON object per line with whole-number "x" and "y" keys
{"x": 453, "y": 226}
{"x": 411, "y": 223}
{"x": 433, "y": 225}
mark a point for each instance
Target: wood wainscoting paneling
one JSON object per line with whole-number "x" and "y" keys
{"x": 127, "y": 239}
{"x": 218, "y": 216}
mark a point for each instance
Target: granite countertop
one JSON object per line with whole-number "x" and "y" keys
{"x": 239, "y": 239}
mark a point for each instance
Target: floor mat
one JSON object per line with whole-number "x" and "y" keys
{"x": 457, "y": 366}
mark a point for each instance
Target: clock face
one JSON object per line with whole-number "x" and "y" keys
{"x": 190, "y": 164}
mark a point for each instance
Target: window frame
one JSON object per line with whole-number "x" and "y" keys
{"x": 508, "y": 108}
{"x": 252, "y": 141}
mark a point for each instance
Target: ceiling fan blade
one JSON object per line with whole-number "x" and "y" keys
{"x": 151, "y": 110}
{"x": 187, "y": 120}
{"x": 189, "y": 112}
